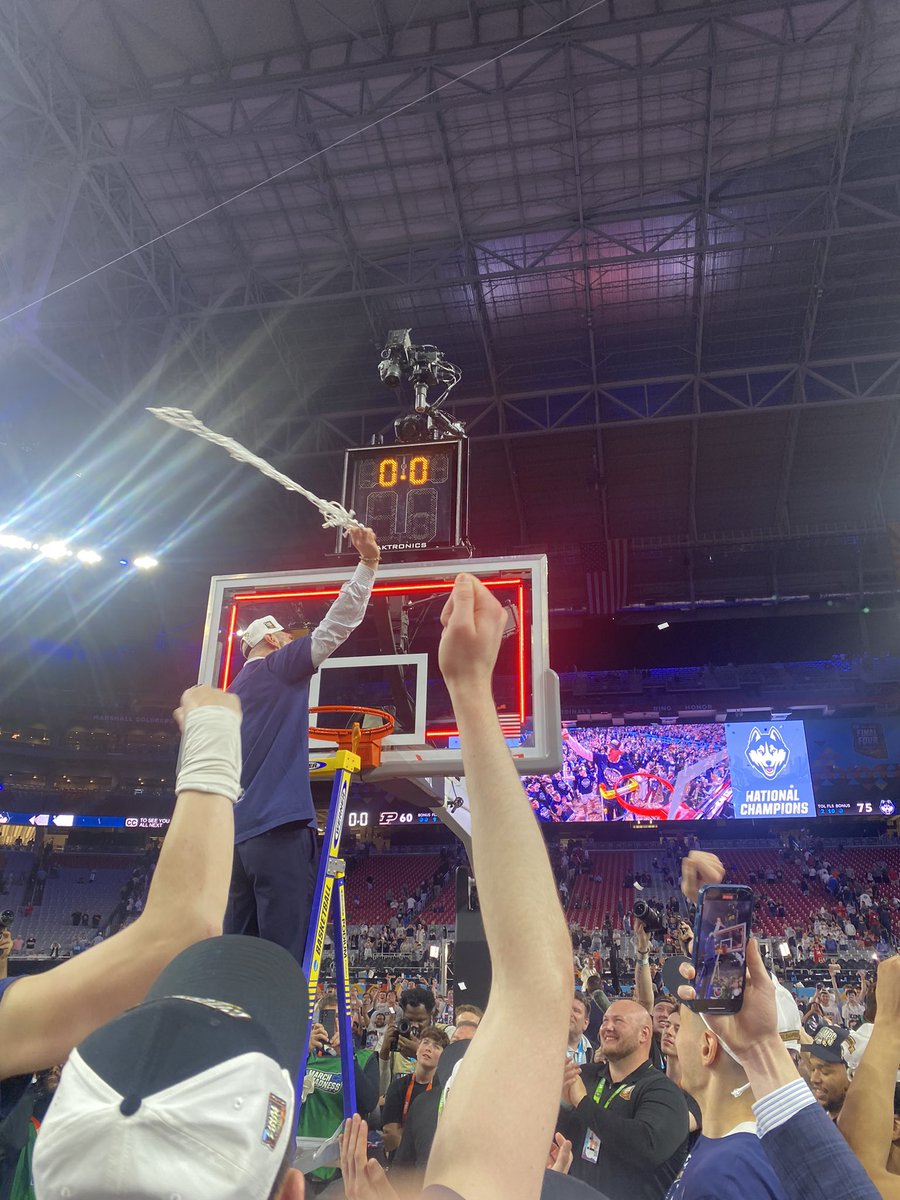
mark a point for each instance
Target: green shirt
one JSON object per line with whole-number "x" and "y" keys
{"x": 323, "y": 1109}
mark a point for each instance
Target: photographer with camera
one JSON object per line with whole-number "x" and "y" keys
{"x": 648, "y": 917}
{"x": 400, "y": 1043}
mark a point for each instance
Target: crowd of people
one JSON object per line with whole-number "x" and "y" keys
{"x": 626, "y": 774}
{"x": 181, "y": 1048}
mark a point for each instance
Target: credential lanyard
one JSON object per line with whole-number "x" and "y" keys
{"x": 598, "y": 1095}
{"x": 409, "y": 1092}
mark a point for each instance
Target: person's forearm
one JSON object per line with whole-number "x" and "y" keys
{"x": 867, "y": 1119}
{"x": 768, "y": 1066}
{"x": 579, "y": 749}
{"x": 345, "y": 614}
{"x": 520, "y": 908}
{"x": 643, "y": 981}
{"x": 187, "y": 897}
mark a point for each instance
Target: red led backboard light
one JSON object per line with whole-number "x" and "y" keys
{"x": 494, "y": 585}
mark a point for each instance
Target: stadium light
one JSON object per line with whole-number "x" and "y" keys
{"x": 11, "y": 541}
{"x": 55, "y": 550}
{"x": 145, "y": 562}
{"x": 90, "y": 557}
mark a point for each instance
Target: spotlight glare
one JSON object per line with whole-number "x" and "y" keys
{"x": 11, "y": 541}
{"x": 88, "y": 556}
{"x": 145, "y": 562}
{"x": 55, "y": 550}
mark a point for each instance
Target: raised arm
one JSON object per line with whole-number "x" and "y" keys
{"x": 867, "y": 1115}
{"x": 577, "y": 747}
{"x": 484, "y": 1149}
{"x": 809, "y": 1156}
{"x": 43, "y": 1017}
{"x": 348, "y": 610}
{"x": 643, "y": 980}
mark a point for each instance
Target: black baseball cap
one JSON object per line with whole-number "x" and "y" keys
{"x": 832, "y": 1045}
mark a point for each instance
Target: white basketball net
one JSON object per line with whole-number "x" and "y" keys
{"x": 336, "y": 516}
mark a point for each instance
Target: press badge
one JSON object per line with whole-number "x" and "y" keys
{"x": 591, "y": 1150}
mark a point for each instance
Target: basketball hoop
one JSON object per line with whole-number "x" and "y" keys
{"x": 357, "y": 738}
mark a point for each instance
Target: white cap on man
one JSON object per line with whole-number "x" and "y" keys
{"x": 256, "y": 631}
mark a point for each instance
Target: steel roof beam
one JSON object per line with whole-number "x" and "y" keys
{"x": 859, "y": 68}
{"x": 267, "y": 80}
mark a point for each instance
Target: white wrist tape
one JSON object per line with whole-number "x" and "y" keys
{"x": 210, "y": 756}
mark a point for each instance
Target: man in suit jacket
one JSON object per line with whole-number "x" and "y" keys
{"x": 808, "y": 1155}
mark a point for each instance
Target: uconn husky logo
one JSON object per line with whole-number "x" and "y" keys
{"x": 767, "y": 753}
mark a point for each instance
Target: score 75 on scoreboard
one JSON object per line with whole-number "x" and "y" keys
{"x": 413, "y": 496}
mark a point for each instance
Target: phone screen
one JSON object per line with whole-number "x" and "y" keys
{"x": 721, "y": 933}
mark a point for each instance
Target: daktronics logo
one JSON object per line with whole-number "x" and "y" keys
{"x": 404, "y": 545}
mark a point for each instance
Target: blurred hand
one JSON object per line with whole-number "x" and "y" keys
{"x": 202, "y": 696}
{"x": 758, "y": 1019}
{"x": 473, "y": 622}
{"x": 389, "y": 1041}
{"x": 699, "y": 868}
{"x": 573, "y": 1089}
{"x": 365, "y": 544}
{"x": 318, "y": 1038}
{"x": 887, "y": 993}
{"x": 686, "y": 938}
{"x": 561, "y": 1156}
{"x": 407, "y": 1046}
{"x": 6, "y": 942}
{"x": 641, "y": 937}
{"x": 364, "y": 1178}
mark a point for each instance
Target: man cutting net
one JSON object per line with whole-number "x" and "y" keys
{"x": 274, "y": 871}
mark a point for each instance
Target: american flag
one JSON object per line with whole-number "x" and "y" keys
{"x": 606, "y": 576}
{"x": 511, "y": 724}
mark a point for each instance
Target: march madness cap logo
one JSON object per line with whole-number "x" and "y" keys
{"x": 767, "y": 752}
{"x": 276, "y": 1115}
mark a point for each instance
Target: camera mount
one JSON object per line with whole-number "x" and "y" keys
{"x": 424, "y": 367}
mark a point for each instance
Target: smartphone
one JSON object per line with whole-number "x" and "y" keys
{"x": 329, "y": 1022}
{"x": 721, "y": 934}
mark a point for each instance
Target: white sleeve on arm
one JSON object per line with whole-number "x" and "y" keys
{"x": 345, "y": 614}
{"x": 779, "y": 1106}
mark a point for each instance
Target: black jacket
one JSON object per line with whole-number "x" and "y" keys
{"x": 643, "y": 1132}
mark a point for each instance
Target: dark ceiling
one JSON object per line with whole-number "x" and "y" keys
{"x": 660, "y": 238}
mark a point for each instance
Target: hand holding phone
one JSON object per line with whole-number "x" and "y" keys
{"x": 328, "y": 1019}
{"x": 721, "y": 937}
{"x": 756, "y": 1025}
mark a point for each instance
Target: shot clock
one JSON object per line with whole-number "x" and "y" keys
{"x": 413, "y": 496}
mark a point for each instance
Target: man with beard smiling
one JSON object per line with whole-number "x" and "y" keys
{"x": 628, "y": 1124}
{"x": 829, "y": 1078}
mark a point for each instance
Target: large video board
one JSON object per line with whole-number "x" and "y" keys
{"x": 767, "y": 770}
